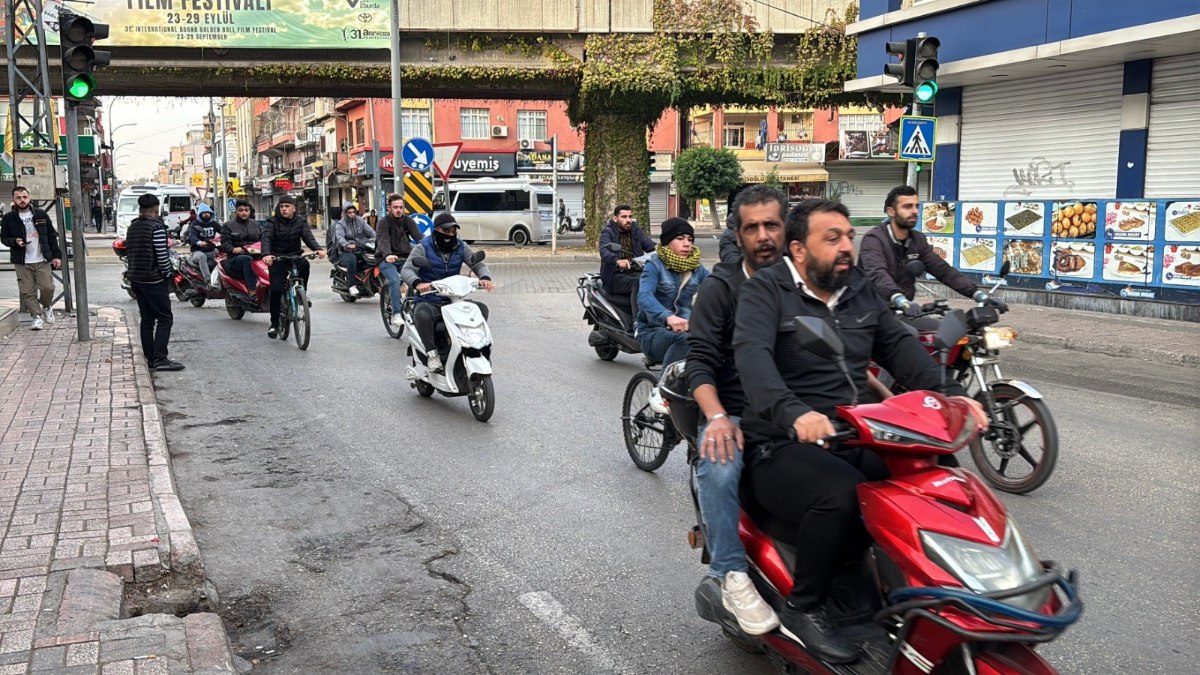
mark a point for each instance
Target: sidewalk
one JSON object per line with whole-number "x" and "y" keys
{"x": 90, "y": 525}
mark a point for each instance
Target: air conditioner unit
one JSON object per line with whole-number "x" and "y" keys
{"x": 499, "y": 132}
{"x": 526, "y": 144}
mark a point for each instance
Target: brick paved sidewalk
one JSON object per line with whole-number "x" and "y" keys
{"x": 88, "y": 511}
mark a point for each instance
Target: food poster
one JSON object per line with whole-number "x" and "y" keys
{"x": 1074, "y": 259}
{"x": 1181, "y": 265}
{"x": 1182, "y": 221}
{"x": 938, "y": 217}
{"x": 1129, "y": 220}
{"x": 979, "y": 218}
{"x": 1025, "y": 256}
{"x": 1074, "y": 220}
{"x": 943, "y": 247}
{"x": 1128, "y": 263}
{"x": 977, "y": 254}
{"x": 1024, "y": 219}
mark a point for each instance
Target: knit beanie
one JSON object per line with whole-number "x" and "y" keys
{"x": 673, "y": 227}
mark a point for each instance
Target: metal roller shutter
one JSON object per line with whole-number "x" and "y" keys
{"x": 1064, "y": 126}
{"x": 864, "y": 185}
{"x": 1173, "y": 145}
{"x": 572, "y": 196}
{"x": 660, "y": 196}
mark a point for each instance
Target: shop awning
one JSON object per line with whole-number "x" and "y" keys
{"x": 755, "y": 171}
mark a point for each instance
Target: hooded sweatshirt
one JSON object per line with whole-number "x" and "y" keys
{"x": 201, "y": 231}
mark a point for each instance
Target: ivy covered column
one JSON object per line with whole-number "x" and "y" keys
{"x": 617, "y": 169}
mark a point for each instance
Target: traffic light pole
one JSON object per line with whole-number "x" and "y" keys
{"x": 397, "y": 102}
{"x": 81, "y": 298}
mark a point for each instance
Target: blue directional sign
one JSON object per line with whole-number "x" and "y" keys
{"x": 917, "y": 138}
{"x": 418, "y": 154}
{"x": 423, "y": 221}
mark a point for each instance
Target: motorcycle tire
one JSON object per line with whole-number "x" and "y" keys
{"x": 994, "y": 462}
{"x": 649, "y": 436}
{"x": 235, "y": 311}
{"x": 197, "y": 301}
{"x": 346, "y": 297}
{"x": 424, "y": 388}
{"x": 607, "y": 352}
{"x": 180, "y": 294}
{"x": 482, "y": 397}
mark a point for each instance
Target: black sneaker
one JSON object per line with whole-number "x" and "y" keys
{"x": 167, "y": 365}
{"x": 272, "y": 332}
{"x": 816, "y": 632}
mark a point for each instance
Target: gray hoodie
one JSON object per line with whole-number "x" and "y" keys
{"x": 354, "y": 231}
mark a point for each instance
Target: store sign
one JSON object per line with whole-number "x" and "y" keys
{"x": 795, "y": 152}
{"x": 485, "y": 165}
{"x": 284, "y": 184}
{"x": 865, "y": 137}
{"x": 387, "y": 163}
{"x": 539, "y": 160}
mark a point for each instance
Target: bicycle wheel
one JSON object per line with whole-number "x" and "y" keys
{"x": 285, "y": 317}
{"x": 1018, "y": 453}
{"x": 386, "y": 311}
{"x": 648, "y": 435}
{"x": 301, "y": 317}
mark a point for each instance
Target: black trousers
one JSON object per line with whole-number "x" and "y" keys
{"x": 427, "y": 314}
{"x": 815, "y": 489}
{"x": 279, "y": 273}
{"x": 242, "y": 266}
{"x": 627, "y": 283}
{"x": 154, "y": 306}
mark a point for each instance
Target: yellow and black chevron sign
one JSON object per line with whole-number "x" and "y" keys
{"x": 418, "y": 192}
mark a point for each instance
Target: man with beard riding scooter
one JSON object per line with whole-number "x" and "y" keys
{"x": 236, "y": 235}
{"x": 282, "y": 236}
{"x": 616, "y": 269}
{"x": 438, "y": 256}
{"x": 756, "y": 217}
{"x": 791, "y": 393}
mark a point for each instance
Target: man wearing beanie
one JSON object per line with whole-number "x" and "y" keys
{"x": 669, "y": 281}
{"x": 282, "y": 236}
{"x": 149, "y": 263}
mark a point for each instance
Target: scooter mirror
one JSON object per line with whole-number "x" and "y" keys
{"x": 476, "y": 258}
{"x": 612, "y": 248}
{"x": 915, "y": 268}
{"x": 1005, "y": 269}
{"x": 952, "y": 329}
{"x": 819, "y": 337}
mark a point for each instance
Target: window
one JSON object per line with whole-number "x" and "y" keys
{"x": 516, "y": 200}
{"x": 360, "y": 132}
{"x": 177, "y": 204}
{"x": 531, "y": 125}
{"x": 475, "y": 122}
{"x": 417, "y": 123}
{"x": 127, "y": 205}
{"x": 797, "y": 126}
{"x": 479, "y": 201}
{"x": 735, "y": 135}
{"x": 545, "y": 199}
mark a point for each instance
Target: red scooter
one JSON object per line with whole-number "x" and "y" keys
{"x": 238, "y": 299}
{"x": 198, "y": 288}
{"x": 949, "y": 584}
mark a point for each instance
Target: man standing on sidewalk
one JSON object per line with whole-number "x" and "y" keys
{"x": 33, "y": 245}
{"x": 149, "y": 268}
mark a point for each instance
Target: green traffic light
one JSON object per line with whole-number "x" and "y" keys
{"x": 925, "y": 91}
{"x": 80, "y": 87}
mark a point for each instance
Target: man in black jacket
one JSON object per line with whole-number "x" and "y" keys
{"x": 395, "y": 235}
{"x": 33, "y": 251}
{"x": 616, "y": 270}
{"x": 757, "y": 219}
{"x": 236, "y": 234}
{"x": 888, "y": 247}
{"x": 790, "y": 389}
{"x": 282, "y": 236}
{"x": 149, "y": 264}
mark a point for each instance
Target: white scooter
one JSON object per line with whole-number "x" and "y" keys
{"x": 465, "y": 343}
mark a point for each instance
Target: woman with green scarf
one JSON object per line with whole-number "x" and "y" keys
{"x": 669, "y": 281}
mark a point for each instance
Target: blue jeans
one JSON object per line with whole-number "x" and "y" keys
{"x": 721, "y": 509}
{"x": 663, "y": 345}
{"x": 391, "y": 272}
{"x": 349, "y": 260}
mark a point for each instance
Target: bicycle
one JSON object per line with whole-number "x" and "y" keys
{"x": 295, "y": 310}
{"x": 385, "y": 306}
{"x": 649, "y": 434}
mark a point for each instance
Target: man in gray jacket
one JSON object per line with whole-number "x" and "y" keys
{"x": 349, "y": 233}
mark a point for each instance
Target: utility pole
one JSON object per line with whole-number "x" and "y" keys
{"x": 77, "y": 225}
{"x": 554, "y": 198}
{"x": 397, "y": 102}
{"x": 223, "y": 179}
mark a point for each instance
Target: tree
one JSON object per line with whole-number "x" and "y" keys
{"x": 707, "y": 173}
{"x": 772, "y": 180}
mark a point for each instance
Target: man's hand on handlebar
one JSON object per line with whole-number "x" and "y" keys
{"x": 351, "y": 246}
{"x": 487, "y": 285}
{"x": 268, "y": 259}
{"x": 320, "y": 252}
{"x": 424, "y": 287}
{"x": 812, "y": 427}
{"x": 622, "y": 264}
{"x": 981, "y": 417}
{"x": 391, "y": 259}
{"x": 677, "y": 324}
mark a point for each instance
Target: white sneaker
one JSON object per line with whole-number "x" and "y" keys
{"x": 37, "y": 323}
{"x": 397, "y": 322}
{"x": 354, "y": 291}
{"x": 49, "y": 314}
{"x": 435, "y": 363}
{"x": 656, "y": 402}
{"x": 741, "y": 598}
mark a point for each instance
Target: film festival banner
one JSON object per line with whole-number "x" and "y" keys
{"x": 259, "y": 24}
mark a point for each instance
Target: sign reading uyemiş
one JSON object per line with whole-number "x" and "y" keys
{"x": 917, "y": 137}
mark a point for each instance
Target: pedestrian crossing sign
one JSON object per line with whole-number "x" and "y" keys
{"x": 917, "y": 138}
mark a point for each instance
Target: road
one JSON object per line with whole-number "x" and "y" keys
{"x": 352, "y": 526}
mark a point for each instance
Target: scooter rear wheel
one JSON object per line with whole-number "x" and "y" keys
{"x": 197, "y": 301}
{"x": 649, "y": 436}
{"x": 607, "y": 352}
{"x": 424, "y": 388}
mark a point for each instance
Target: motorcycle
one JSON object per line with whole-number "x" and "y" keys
{"x": 948, "y": 585}
{"x": 238, "y": 299}
{"x": 173, "y": 282}
{"x": 567, "y": 224}
{"x": 610, "y": 316}
{"x": 462, "y": 339}
{"x": 1015, "y": 409}
{"x": 368, "y": 279}
{"x": 198, "y": 288}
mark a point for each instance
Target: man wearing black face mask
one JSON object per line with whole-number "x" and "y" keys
{"x": 438, "y": 256}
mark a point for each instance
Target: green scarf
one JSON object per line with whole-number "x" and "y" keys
{"x": 677, "y": 263}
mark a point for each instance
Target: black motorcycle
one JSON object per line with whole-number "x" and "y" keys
{"x": 611, "y": 316}
{"x": 368, "y": 280}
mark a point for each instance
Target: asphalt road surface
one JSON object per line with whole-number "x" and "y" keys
{"x": 352, "y": 526}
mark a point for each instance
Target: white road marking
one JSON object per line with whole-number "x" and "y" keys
{"x": 545, "y": 607}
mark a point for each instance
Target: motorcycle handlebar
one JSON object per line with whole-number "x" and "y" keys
{"x": 842, "y": 431}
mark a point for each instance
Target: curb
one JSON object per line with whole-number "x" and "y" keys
{"x": 1122, "y": 351}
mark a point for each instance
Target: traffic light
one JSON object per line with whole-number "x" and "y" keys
{"x": 925, "y": 68}
{"x": 77, "y": 34}
{"x": 651, "y": 158}
{"x": 902, "y": 71}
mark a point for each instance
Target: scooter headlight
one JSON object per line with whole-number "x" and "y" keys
{"x": 984, "y": 568}
{"x": 888, "y": 433}
{"x": 998, "y": 337}
{"x": 473, "y": 337}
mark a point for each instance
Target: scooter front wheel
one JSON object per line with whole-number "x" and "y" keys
{"x": 197, "y": 301}
{"x": 1018, "y": 453}
{"x": 649, "y": 436}
{"x": 482, "y": 397}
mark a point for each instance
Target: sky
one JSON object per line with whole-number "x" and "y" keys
{"x": 157, "y": 123}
